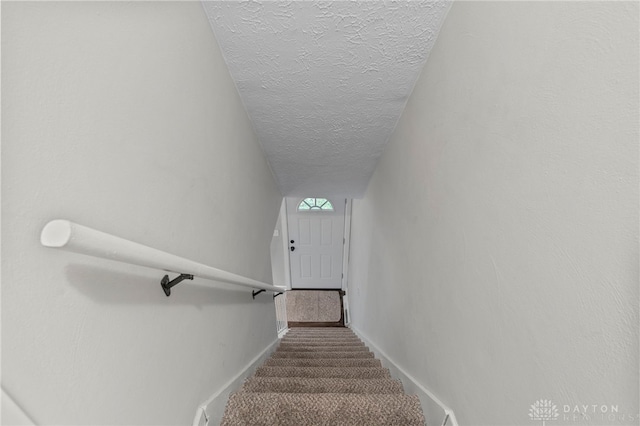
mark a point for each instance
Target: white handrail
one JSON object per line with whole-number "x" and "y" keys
{"x": 70, "y": 236}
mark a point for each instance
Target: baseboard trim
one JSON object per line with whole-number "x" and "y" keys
{"x": 425, "y": 395}
{"x": 283, "y": 332}
{"x": 211, "y": 411}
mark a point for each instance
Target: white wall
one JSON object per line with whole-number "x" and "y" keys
{"x": 122, "y": 117}
{"x": 495, "y": 254}
{"x": 11, "y": 413}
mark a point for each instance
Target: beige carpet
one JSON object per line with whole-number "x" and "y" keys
{"x": 313, "y": 306}
{"x": 322, "y": 376}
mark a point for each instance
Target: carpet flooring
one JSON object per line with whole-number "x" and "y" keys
{"x": 313, "y": 306}
{"x": 322, "y": 376}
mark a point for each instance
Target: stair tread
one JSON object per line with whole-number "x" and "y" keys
{"x": 323, "y": 333}
{"x": 311, "y": 342}
{"x": 322, "y": 354}
{"x": 322, "y": 343}
{"x": 290, "y": 409}
{"x": 321, "y": 385}
{"x": 320, "y": 336}
{"x": 320, "y": 330}
{"x": 322, "y": 376}
{"x": 323, "y": 362}
{"x": 332, "y": 332}
{"x": 299, "y": 348}
{"x": 338, "y": 372}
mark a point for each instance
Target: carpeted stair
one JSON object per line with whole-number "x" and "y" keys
{"x": 322, "y": 376}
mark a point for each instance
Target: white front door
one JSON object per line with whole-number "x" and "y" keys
{"x": 316, "y": 242}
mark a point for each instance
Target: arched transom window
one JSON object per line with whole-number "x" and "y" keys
{"x": 315, "y": 204}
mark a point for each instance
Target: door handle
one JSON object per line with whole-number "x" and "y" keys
{"x": 293, "y": 249}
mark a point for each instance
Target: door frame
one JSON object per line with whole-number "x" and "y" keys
{"x": 346, "y": 250}
{"x": 346, "y": 234}
{"x": 284, "y": 225}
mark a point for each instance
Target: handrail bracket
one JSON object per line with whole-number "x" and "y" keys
{"x": 255, "y": 293}
{"x": 166, "y": 284}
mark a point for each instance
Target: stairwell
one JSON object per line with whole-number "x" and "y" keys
{"x": 322, "y": 376}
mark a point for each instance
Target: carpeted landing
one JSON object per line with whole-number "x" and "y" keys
{"x": 322, "y": 376}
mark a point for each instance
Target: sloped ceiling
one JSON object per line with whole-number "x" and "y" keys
{"x": 324, "y": 82}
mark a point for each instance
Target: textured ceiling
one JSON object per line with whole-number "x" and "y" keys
{"x": 324, "y": 83}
